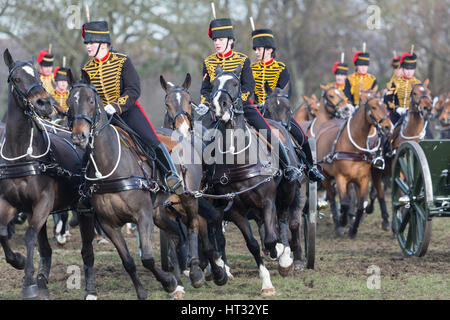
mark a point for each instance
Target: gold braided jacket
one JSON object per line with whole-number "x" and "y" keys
{"x": 61, "y": 98}
{"x": 269, "y": 73}
{"x": 402, "y": 90}
{"x": 49, "y": 83}
{"x": 360, "y": 83}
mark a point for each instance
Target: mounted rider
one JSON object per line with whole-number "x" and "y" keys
{"x": 398, "y": 96}
{"x": 221, "y": 32}
{"x": 62, "y": 91}
{"x": 340, "y": 70}
{"x": 45, "y": 60}
{"x": 276, "y": 74}
{"x": 118, "y": 84}
{"x": 360, "y": 80}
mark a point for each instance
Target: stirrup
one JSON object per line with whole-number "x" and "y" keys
{"x": 174, "y": 184}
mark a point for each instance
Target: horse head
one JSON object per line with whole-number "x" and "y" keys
{"x": 335, "y": 103}
{"x": 27, "y": 86}
{"x": 226, "y": 94}
{"x": 312, "y": 105}
{"x": 421, "y": 101}
{"x": 277, "y": 106}
{"x": 85, "y": 109}
{"x": 444, "y": 116}
{"x": 179, "y": 105}
{"x": 376, "y": 111}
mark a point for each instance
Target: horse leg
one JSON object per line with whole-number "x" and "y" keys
{"x": 295, "y": 222}
{"x": 145, "y": 228}
{"x": 341, "y": 184}
{"x": 179, "y": 293}
{"x": 7, "y": 213}
{"x": 362, "y": 188}
{"x": 270, "y": 225}
{"x": 115, "y": 235}
{"x": 331, "y": 198}
{"x": 376, "y": 179}
{"x": 45, "y": 252}
{"x": 285, "y": 262}
{"x": 383, "y": 207}
{"x": 219, "y": 274}
{"x": 41, "y": 212}
{"x": 252, "y": 244}
{"x": 87, "y": 230}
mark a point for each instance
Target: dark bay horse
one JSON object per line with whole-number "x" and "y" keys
{"x": 122, "y": 186}
{"x": 246, "y": 184}
{"x": 342, "y": 148}
{"x": 32, "y": 181}
{"x": 412, "y": 128}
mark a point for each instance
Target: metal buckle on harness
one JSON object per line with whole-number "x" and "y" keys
{"x": 378, "y": 163}
{"x": 224, "y": 179}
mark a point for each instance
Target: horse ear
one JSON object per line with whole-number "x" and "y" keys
{"x": 187, "y": 81}
{"x": 314, "y": 96}
{"x": 219, "y": 69}
{"x": 267, "y": 88}
{"x": 163, "y": 83}
{"x": 306, "y": 99}
{"x": 426, "y": 83}
{"x": 286, "y": 88}
{"x": 375, "y": 89}
{"x": 70, "y": 80}
{"x": 323, "y": 87}
{"x": 85, "y": 77}
{"x": 238, "y": 70}
{"x": 9, "y": 61}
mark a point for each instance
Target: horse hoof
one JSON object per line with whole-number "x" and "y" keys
{"x": 171, "y": 285}
{"x": 299, "y": 265}
{"x": 285, "y": 271}
{"x": 178, "y": 294}
{"x": 385, "y": 225}
{"x": 43, "y": 293}
{"x": 340, "y": 231}
{"x": 369, "y": 209}
{"x": 220, "y": 278}
{"x": 269, "y": 292}
{"x": 352, "y": 234}
{"x": 142, "y": 294}
{"x": 91, "y": 297}
{"x": 19, "y": 261}
{"x": 30, "y": 292}
{"x": 197, "y": 277}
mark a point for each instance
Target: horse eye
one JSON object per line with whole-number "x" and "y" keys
{"x": 235, "y": 84}
{"x": 91, "y": 101}
{"x": 17, "y": 80}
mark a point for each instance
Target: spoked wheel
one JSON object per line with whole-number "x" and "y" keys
{"x": 412, "y": 196}
{"x": 310, "y": 217}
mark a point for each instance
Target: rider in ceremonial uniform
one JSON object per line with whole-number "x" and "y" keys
{"x": 61, "y": 92}
{"x": 276, "y": 74}
{"x": 398, "y": 97}
{"x": 118, "y": 84}
{"x": 360, "y": 80}
{"x": 221, "y": 32}
{"x": 45, "y": 60}
{"x": 340, "y": 71}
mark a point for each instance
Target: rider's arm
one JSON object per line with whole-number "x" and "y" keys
{"x": 347, "y": 91}
{"x": 205, "y": 91}
{"x": 131, "y": 88}
{"x": 247, "y": 82}
{"x": 284, "y": 78}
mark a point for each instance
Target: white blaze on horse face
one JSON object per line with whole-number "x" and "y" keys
{"x": 178, "y": 98}
{"x": 184, "y": 129}
{"x": 223, "y": 79}
{"x": 77, "y": 97}
{"x": 28, "y": 70}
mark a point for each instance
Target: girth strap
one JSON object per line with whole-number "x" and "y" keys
{"x": 122, "y": 184}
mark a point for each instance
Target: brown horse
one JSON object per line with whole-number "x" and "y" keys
{"x": 342, "y": 146}
{"x": 413, "y": 128}
{"x": 441, "y": 112}
{"x": 29, "y": 183}
{"x": 307, "y": 110}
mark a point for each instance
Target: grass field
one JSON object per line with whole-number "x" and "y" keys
{"x": 340, "y": 270}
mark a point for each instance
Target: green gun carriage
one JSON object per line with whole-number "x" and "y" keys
{"x": 420, "y": 192}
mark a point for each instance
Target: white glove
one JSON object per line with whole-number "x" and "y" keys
{"x": 201, "y": 109}
{"x": 401, "y": 111}
{"x": 110, "y": 109}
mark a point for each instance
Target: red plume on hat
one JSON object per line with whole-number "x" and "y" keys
{"x": 41, "y": 55}
{"x": 355, "y": 57}
{"x": 404, "y": 55}
{"x": 82, "y": 31}
{"x": 336, "y": 64}
{"x": 210, "y": 31}
{"x": 55, "y": 72}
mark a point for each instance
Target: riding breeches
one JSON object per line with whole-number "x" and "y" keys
{"x": 137, "y": 119}
{"x": 256, "y": 119}
{"x": 301, "y": 138}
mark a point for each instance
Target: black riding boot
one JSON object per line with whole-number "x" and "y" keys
{"x": 290, "y": 172}
{"x": 168, "y": 170}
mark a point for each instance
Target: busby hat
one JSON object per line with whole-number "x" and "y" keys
{"x": 263, "y": 38}
{"x": 361, "y": 58}
{"x": 61, "y": 74}
{"x": 96, "y": 31}
{"x": 45, "y": 58}
{"x": 408, "y": 60}
{"x": 221, "y": 28}
{"x": 340, "y": 68}
{"x": 396, "y": 62}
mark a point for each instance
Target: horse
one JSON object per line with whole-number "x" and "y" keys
{"x": 344, "y": 156}
{"x": 32, "y": 181}
{"x": 332, "y": 105}
{"x": 122, "y": 187}
{"x": 291, "y": 196}
{"x": 307, "y": 110}
{"x": 178, "y": 124}
{"x": 441, "y": 112}
{"x": 244, "y": 184}
{"x": 411, "y": 128}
